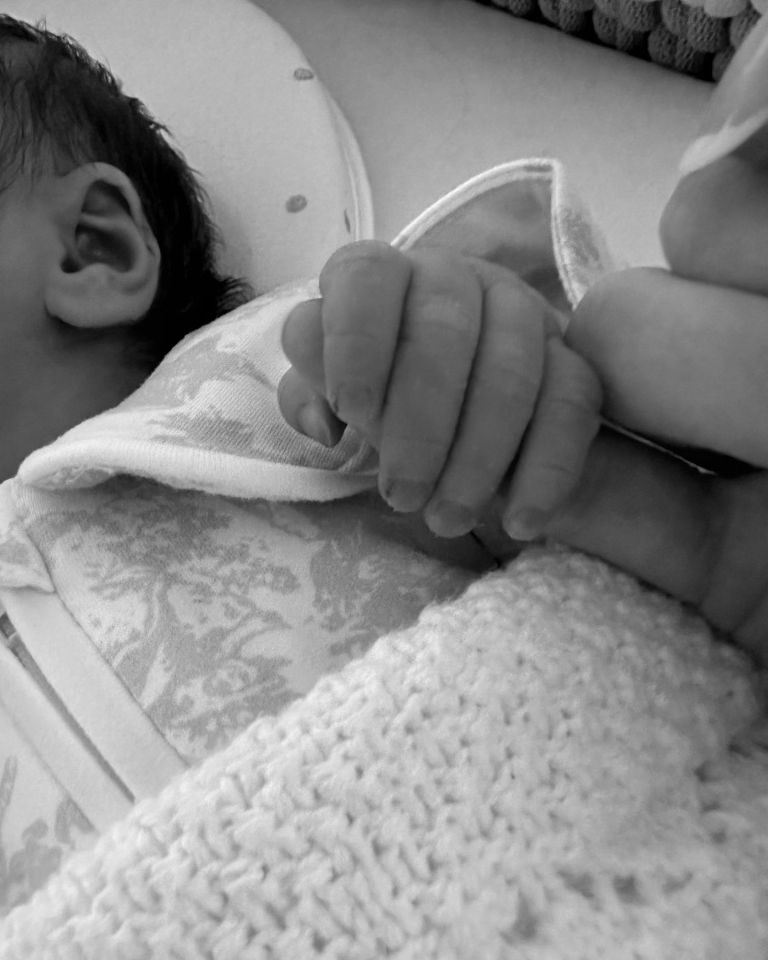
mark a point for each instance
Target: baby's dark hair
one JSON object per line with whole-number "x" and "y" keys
{"x": 60, "y": 104}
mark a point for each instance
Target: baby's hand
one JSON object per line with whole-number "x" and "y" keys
{"x": 454, "y": 369}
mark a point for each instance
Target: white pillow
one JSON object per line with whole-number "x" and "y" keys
{"x": 282, "y": 168}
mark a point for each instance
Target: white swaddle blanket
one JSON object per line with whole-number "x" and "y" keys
{"x": 557, "y": 764}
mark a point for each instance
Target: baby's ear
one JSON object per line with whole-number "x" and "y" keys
{"x": 107, "y": 268}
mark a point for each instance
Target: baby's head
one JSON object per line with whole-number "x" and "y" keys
{"x": 106, "y": 248}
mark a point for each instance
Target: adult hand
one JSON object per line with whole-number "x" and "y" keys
{"x": 702, "y": 538}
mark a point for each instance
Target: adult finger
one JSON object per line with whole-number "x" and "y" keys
{"x": 739, "y": 106}
{"x": 435, "y": 352}
{"x": 644, "y": 511}
{"x": 661, "y": 318}
{"x": 364, "y": 286}
{"x": 714, "y": 227}
{"x": 565, "y": 422}
{"x": 700, "y": 538}
{"x": 737, "y": 593}
{"x": 498, "y": 403}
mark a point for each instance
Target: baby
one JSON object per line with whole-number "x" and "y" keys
{"x": 451, "y": 366}
{"x": 95, "y": 286}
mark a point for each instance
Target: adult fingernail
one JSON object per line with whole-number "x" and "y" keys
{"x": 710, "y": 147}
{"x": 524, "y": 524}
{"x": 314, "y": 424}
{"x": 405, "y": 496}
{"x": 449, "y": 519}
{"x": 739, "y": 106}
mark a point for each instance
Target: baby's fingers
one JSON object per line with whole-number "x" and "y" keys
{"x": 302, "y": 342}
{"x": 364, "y": 286}
{"x": 564, "y": 424}
{"x": 307, "y": 411}
{"x": 498, "y": 404}
{"x": 300, "y": 391}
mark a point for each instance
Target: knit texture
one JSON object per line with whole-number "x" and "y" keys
{"x": 540, "y": 769}
{"x": 699, "y": 39}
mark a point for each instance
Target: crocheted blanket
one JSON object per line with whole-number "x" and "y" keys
{"x": 557, "y": 764}
{"x": 545, "y": 768}
{"x": 693, "y": 37}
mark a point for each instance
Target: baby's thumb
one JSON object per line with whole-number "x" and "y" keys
{"x": 300, "y": 391}
{"x": 307, "y": 411}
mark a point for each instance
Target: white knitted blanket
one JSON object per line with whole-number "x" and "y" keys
{"x": 558, "y": 764}
{"x": 540, "y": 769}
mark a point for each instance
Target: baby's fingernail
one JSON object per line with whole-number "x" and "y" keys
{"x": 354, "y": 403}
{"x": 449, "y": 519}
{"x": 405, "y": 496}
{"x": 738, "y": 107}
{"x": 314, "y": 424}
{"x": 524, "y": 524}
